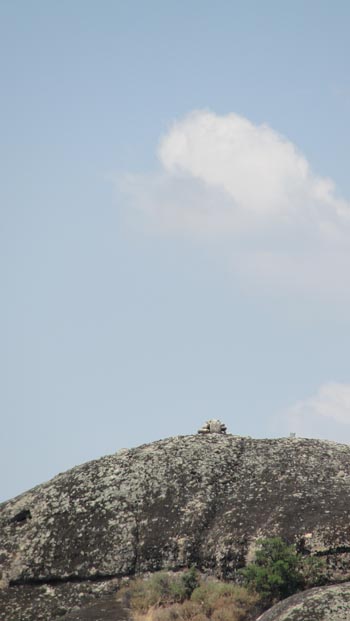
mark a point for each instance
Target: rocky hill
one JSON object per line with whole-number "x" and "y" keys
{"x": 203, "y": 499}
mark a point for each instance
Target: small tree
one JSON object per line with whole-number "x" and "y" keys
{"x": 275, "y": 573}
{"x": 190, "y": 581}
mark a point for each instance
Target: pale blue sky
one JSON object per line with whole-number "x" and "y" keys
{"x": 115, "y": 331}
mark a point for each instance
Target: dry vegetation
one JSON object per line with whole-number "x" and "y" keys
{"x": 185, "y": 596}
{"x": 277, "y": 572}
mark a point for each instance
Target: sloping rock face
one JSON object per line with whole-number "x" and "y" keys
{"x": 203, "y": 499}
{"x": 330, "y": 603}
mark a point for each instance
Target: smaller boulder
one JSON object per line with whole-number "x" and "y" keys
{"x": 213, "y": 426}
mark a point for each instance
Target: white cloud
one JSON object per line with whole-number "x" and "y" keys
{"x": 261, "y": 171}
{"x": 249, "y": 188}
{"x": 325, "y": 414}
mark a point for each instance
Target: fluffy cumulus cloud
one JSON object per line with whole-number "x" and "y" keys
{"x": 261, "y": 172}
{"x": 224, "y": 178}
{"x": 325, "y": 414}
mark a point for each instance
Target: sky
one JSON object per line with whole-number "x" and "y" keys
{"x": 174, "y": 225}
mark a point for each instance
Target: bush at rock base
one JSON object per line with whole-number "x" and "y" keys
{"x": 184, "y": 596}
{"x": 279, "y": 571}
{"x": 160, "y": 589}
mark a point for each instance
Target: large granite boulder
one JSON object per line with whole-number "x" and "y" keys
{"x": 203, "y": 499}
{"x": 331, "y": 603}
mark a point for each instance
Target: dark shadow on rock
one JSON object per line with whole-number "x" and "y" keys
{"x": 106, "y": 609}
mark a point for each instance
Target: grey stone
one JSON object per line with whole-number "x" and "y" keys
{"x": 213, "y": 426}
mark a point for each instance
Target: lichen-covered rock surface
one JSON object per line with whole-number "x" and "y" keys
{"x": 203, "y": 499}
{"x": 331, "y": 603}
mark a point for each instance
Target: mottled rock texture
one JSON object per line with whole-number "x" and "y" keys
{"x": 330, "y": 603}
{"x": 203, "y": 499}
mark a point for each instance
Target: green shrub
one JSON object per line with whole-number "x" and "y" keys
{"x": 279, "y": 571}
{"x": 190, "y": 581}
{"x": 276, "y": 571}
